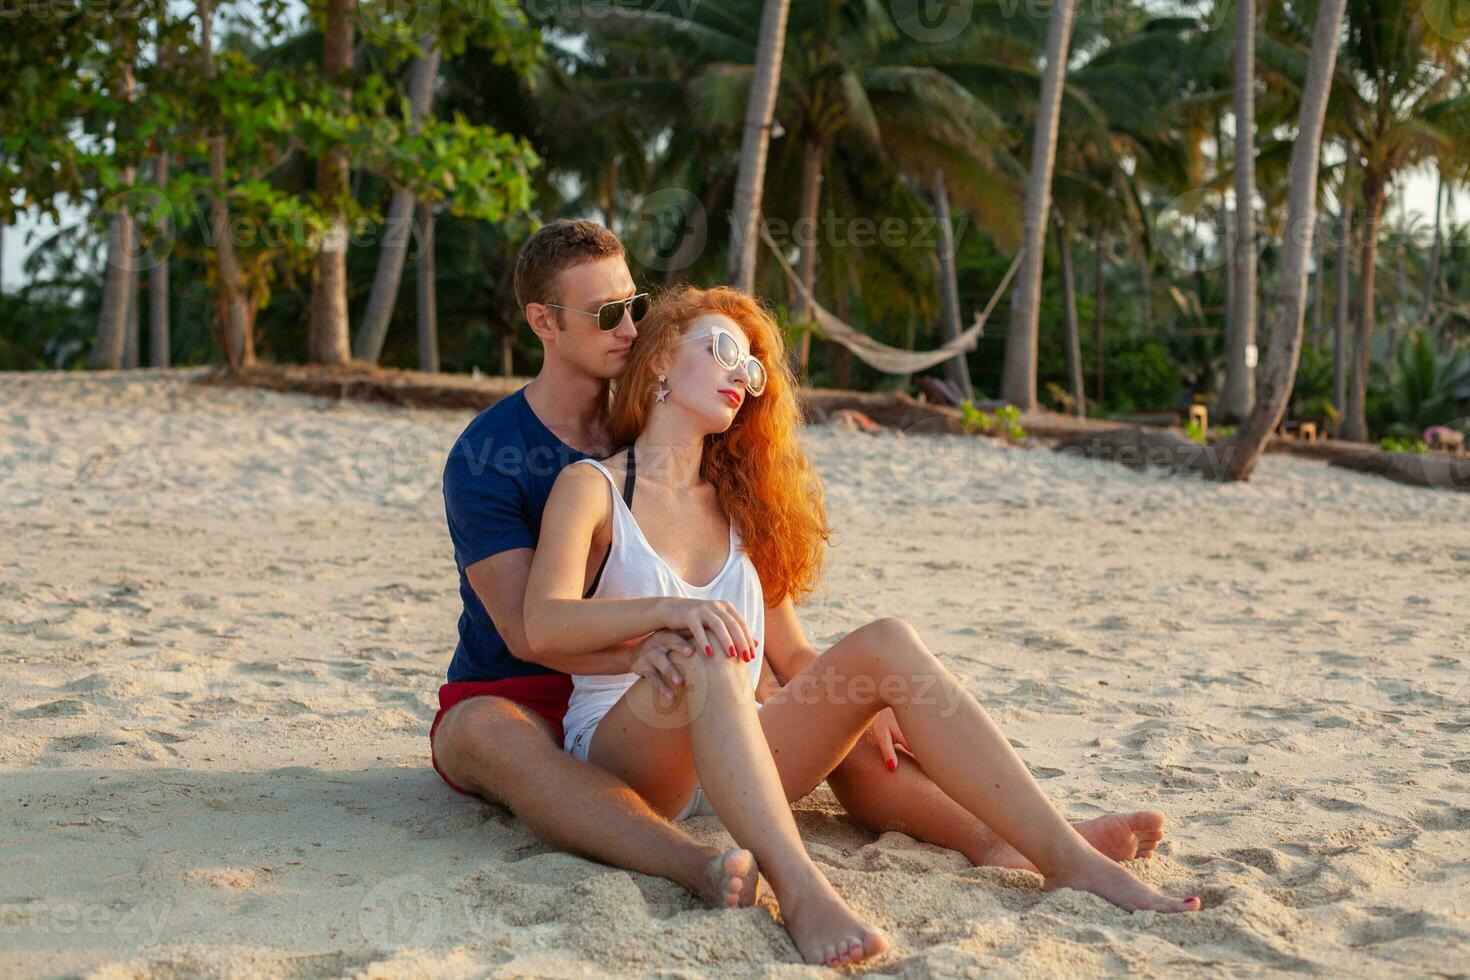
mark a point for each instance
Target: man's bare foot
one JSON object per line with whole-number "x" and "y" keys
{"x": 1119, "y": 836}
{"x": 732, "y": 880}
{"x": 1117, "y": 884}
{"x": 825, "y": 930}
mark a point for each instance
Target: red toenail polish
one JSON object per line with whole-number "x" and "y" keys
{"x": 892, "y": 764}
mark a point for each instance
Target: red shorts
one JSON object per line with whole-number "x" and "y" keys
{"x": 543, "y": 694}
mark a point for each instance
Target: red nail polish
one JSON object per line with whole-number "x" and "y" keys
{"x": 732, "y": 649}
{"x": 708, "y": 652}
{"x": 892, "y": 765}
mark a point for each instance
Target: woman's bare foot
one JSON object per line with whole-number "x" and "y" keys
{"x": 825, "y": 930}
{"x": 1112, "y": 881}
{"x": 1119, "y": 836}
{"x": 732, "y": 880}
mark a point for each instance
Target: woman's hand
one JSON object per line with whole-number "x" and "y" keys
{"x": 885, "y": 729}
{"x": 653, "y": 658}
{"x": 713, "y": 624}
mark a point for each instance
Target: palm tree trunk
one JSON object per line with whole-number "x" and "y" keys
{"x": 1240, "y": 383}
{"x": 112, "y": 318}
{"x": 1319, "y": 255}
{"x": 327, "y": 340}
{"x": 368, "y": 345}
{"x": 754, "y": 142}
{"x": 427, "y": 291}
{"x": 806, "y": 262}
{"x": 1355, "y": 423}
{"x": 839, "y": 358}
{"x": 237, "y": 344}
{"x": 957, "y": 368}
{"x": 158, "y": 264}
{"x": 1431, "y": 276}
{"x": 1146, "y": 284}
{"x": 158, "y": 340}
{"x": 1342, "y": 299}
{"x": 1018, "y": 384}
{"x": 1099, "y": 308}
{"x": 130, "y": 337}
{"x": 1069, "y": 317}
{"x": 1285, "y": 342}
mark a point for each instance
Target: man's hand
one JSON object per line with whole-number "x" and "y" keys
{"x": 885, "y": 729}
{"x": 653, "y": 658}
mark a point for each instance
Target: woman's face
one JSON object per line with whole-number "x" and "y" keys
{"x": 699, "y": 384}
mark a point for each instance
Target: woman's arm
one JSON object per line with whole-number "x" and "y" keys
{"x": 559, "y": 622}
{"x": 787, "y": 649}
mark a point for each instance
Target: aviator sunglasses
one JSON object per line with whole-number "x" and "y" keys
{"x": 609, "y": 315}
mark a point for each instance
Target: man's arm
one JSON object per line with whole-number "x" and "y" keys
{"x": 500, "y": 582}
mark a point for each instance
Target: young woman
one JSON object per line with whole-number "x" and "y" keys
{"x": 728, "y": 535}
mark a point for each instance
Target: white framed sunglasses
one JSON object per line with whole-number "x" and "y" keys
{"x": 727, "y": 352}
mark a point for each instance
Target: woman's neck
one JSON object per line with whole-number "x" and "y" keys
{"x": 670, "y": 451}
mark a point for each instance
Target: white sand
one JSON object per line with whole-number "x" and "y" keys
{"x": 224, "y": 615}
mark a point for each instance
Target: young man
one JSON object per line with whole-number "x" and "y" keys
{"x": 498, "y": 732}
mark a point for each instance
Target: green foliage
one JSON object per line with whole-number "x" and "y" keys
{"x": 1004, "y": 421}
{"x": 1403, "y": 444}
{"x": 1420, "y": 388}
{"x": 1195, "y": 432}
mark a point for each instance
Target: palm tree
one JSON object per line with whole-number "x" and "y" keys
{"x": 236, "y": 332}
{"x": 121, "y": 280}
{"x": 368, "y": 345}
{"x": 1399, "y": 101}
{"x": 327, "y": 341}
{"x": 1239, "y": 392}
{"x": 1285, "y": 345}
{"x": 1018, "y": 385}
{"x": 754, "y": 142}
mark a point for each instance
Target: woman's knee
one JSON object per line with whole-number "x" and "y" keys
{"x": 891, "y": 643}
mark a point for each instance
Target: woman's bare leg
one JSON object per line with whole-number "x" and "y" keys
{"x": 814, "y": 721}
{"x": 711, "y": 729}
{"x": 908, "y": 801}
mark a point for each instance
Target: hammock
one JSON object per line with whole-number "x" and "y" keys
{"x": 889, "y": 360}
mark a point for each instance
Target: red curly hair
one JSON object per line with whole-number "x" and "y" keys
{"x": 763, "y": 481}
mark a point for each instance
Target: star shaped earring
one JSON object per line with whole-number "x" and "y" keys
{"x": 662, "y": 391}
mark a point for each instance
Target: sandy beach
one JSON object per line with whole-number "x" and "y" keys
{"x": 224, "y": 615}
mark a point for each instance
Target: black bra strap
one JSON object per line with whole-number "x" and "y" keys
{"x": 628, "y": 481}
{"x": 628, "y": 497}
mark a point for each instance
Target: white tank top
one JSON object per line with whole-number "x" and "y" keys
{"x": 633, "y": 570}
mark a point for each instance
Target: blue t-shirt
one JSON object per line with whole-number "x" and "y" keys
{"x": 496, "y": 483}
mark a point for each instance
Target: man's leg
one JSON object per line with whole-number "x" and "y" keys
{"x": 507, "y": 755}
{"x": 908, "y": 801}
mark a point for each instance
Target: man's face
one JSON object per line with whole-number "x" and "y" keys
{"x": 574, "y": 332}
